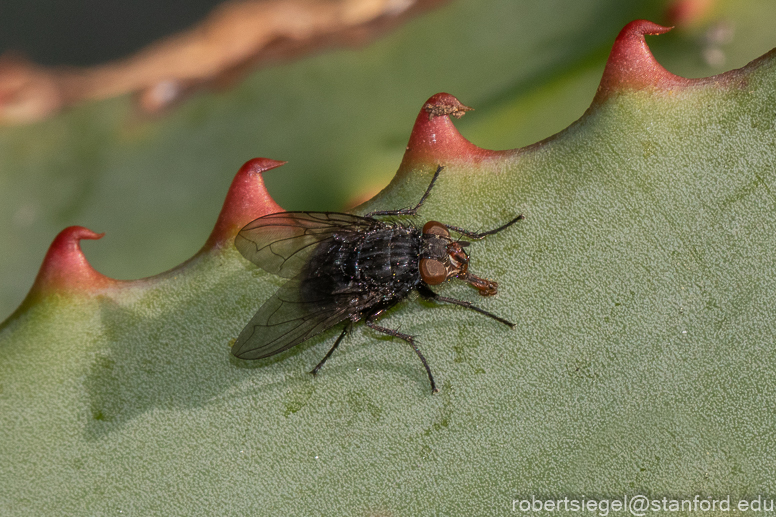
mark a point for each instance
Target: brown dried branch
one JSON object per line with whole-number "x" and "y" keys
{"x": 235, "y": 38}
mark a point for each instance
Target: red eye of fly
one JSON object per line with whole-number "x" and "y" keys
{"x": 432, "y": 271}
{"x": 435, "y": 228}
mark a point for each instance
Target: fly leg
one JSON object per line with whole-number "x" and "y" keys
{"x": 428, "y": 294}
{"x": 479, "y": 235}
{"x": 410, "y": 211}
{"x": 345, "y": 330}
{"x": 406, "y": 337}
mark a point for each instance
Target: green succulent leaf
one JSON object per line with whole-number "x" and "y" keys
{"x": 642, "y": 362}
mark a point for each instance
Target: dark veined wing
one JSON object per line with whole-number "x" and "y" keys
{"x": 281, "y": 243}
{"x": 299, "y": 310}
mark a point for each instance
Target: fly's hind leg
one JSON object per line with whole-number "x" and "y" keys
{"x": 406, "y": 337}
{"x": 410, "y": 211}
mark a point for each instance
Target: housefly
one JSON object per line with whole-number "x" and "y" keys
{"x": 345, "y": 268}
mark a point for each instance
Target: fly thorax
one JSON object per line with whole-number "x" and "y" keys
{"x": 387, "y": 258}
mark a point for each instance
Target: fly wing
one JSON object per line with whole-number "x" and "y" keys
{"x": 281, "y": 243}
{"x": 299, "y": 310}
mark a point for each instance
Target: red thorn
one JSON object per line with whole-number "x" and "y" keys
{"x": 246, "y": 200}
{"x": 65, "y": 267}
{"x": 435, "y": 140}
{"x": 631, "y": 65}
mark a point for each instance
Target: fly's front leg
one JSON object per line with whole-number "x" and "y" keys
{"x": 428, "y": 294}
{"x": 479, "y": 235}
{"x": 410, "y": 211}
{"x": 406, "y": 337}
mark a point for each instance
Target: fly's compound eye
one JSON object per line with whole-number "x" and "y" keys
{"x": 435, "y": 228}
{"x": 433, "y": 272}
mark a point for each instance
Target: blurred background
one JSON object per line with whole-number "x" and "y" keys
{"x": 131, "y": 118}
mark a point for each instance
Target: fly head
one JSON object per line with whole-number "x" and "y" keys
{"x": 443, "y": 258}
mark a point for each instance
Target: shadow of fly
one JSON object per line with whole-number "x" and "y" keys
{"x": 347, "y": 268}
